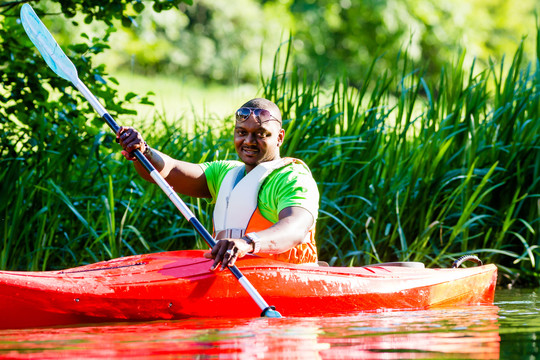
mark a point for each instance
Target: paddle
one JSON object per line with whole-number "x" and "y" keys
{"x": 63, "y": 67}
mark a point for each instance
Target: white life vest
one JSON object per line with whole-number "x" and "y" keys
{"x": 237, "y": 199}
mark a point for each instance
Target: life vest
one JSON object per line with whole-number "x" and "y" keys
{"x": 236, "y": 212}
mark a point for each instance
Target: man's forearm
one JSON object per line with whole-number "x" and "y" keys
{"x": 288, "y": 232}
{"x": 156, "y": 158}
{"x": 184, "y": 177}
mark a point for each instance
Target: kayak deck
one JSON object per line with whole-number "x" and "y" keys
{"x": 179, "y": 284}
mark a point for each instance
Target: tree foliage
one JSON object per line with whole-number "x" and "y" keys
{"x": 47, "y": 129}
{"x": 213, "y": 40}
{"x": 31, "y": 94}
{"x": 345, "y": 36}
{"x": 221, "y": 40}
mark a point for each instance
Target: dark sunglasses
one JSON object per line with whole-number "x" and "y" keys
{"x": 262, "y": 115}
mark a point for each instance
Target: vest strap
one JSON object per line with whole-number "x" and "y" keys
{"x": 230, "y": 234}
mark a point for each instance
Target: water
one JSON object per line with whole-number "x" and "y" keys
{"x": 519, "y": 322}
{"x": 508, "y": 330}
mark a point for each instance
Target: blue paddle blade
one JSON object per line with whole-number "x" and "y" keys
{"x": 271, "y": 312}
{"x": 46, "y": 45}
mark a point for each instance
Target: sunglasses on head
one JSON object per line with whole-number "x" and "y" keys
{"x": 262, "y": 115}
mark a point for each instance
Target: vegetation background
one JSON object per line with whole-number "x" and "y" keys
{"x": 419, "y": 119}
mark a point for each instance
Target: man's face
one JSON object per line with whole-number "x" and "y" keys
{"x": 256, "y": 143}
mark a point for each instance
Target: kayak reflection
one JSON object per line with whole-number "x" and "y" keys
{"x": 462, "y": 333}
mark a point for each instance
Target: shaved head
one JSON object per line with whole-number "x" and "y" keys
{"x": 260, "y": 103}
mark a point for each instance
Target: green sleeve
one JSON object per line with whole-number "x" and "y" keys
{"x": 293, "y": 185}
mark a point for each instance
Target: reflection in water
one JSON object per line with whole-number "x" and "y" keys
{"x": 462, "y": 333}
{"x": 519, "y": 319}
{"x": 459, "y": 333}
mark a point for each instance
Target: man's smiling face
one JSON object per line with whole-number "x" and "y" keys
{"x": 257, "y": 142}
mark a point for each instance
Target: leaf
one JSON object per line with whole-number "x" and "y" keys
{"x": 130, "y": 95}
{"x": 138, "y": 7}
{"x": 126, "y": 21}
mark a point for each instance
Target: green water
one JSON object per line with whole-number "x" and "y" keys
{"x": 510, "y": 329}
{"x": 519, "y": 321}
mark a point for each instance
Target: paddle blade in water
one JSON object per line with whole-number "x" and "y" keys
{"x": 270, "y": 312}
{"x": 47, "y": 46}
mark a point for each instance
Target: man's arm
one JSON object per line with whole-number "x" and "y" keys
{"x": 184, "y": 177}
{"x": 291, "y": 229}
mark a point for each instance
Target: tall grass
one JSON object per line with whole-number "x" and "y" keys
{"x": 407, "y": 170}
{"x": 57, "y": 212}
{"x": 416, "y": 171}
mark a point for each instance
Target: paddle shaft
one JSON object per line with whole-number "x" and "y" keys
{"x": 173, "y": 196}
{"x": 57, "y": 60}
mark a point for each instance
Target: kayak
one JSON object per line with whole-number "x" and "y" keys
{"x": 179, "y": 284}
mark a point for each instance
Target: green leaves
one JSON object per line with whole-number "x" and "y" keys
{"x": 50, "y": 144}
{"x": 138, "y": 6}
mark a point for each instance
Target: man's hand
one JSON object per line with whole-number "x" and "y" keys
{"x": 227, "y": 251}
{"x": 130, "y": 140}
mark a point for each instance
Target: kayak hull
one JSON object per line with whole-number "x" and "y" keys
{"x": 176, "y": 285}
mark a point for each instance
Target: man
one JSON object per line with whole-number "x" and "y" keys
{"x": 264, "y": 205}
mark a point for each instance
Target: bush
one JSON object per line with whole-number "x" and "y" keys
{"x": 49, "y": 136}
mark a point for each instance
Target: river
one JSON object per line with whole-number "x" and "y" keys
{"x": 510, "y": 329}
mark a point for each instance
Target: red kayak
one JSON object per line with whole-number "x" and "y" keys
{"x": 179, "y": 284}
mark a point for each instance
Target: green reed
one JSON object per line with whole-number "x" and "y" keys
{"x": 415, "y": 171}
{"x": 407, "y": 170}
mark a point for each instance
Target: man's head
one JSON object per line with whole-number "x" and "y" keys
{"x": 258, "y": 133}
{"x": 263, "y": 104}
